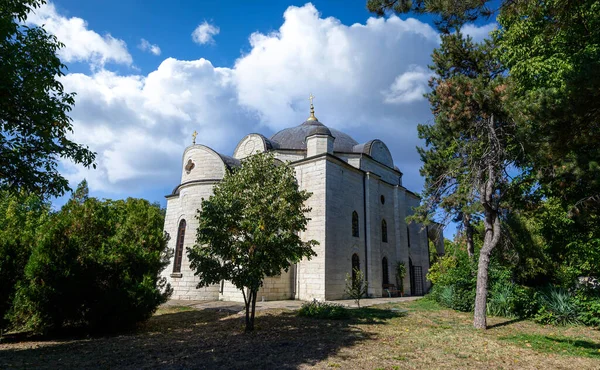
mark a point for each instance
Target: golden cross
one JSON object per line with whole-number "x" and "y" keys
{"x": 311, "y": 97}
{"x": 194, "y": 137}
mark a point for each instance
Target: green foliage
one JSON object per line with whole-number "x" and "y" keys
{"x": 557, "y": 307}
{"x": 552, "y": 50}
{"x": 323, "y": 310}
{"x": 20, "y": 218}
{"x": 34, "y": 125}
{"x": 510, "y": 300}
{"x": 356, "y": 286}
{"x": 400, "y": 275}
{"x": 95, "y": 266}
{"x": 249, "y": 228}
{"x": 589, "y": 309}
{"x": 447, "y": 15}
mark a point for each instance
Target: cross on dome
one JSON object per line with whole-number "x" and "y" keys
{"x": 312, "y": 109}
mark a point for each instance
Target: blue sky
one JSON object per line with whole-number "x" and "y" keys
{"x": 149, "y": 73}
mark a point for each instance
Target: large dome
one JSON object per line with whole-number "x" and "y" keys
{"x": 295, "y": 137}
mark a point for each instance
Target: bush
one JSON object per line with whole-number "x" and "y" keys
{"x": 20, "y": 218}
{"x": 323, "y": 310}
{"x": 95, "y": 266}
{"x": 557, "y": 307}
{"x": 587, "y": 300}
{"x": 510, "y": 300}
{"x": 589, "y": 310}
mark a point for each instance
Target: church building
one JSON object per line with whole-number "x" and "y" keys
{"x": 359, "y": 207}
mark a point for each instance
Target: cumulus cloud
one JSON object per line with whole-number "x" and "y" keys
{"x": 81, "y": 44}
{"x": 203, "y": 34}
{"x": 145, "y": 45}
{"x": 478, "y": 33}
{"x": 409, "y": 86}
{"x": 367, "y": 78}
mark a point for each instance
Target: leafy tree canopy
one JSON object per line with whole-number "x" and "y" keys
{"x": 34, "y": 125}
{"x": 94, "y": 265}
{"x": 249, "y": 228}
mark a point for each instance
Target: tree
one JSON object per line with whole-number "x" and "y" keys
{"x": 21, "y": 216}
{"x": 356, "y": 286}
{"x": 34, "y": 125}
{"x": 95, "y": 266}
{"x": 471, "y": 144}
{"x": 400, "y": 274}
{"x": 552, "y": 52}
{"x": 249, "y": 228}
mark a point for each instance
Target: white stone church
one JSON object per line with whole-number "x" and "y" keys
{"x": 358, "y": 216}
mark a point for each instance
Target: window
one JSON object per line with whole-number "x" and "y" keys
{"x": 355, "y": 266}
{"x": 382, "y": 198}
{"x": 385, "y": 272}
{"x": 355, "y": 224}
{"x": 408, "y": 236}
{"x": 384, "y": 231}
{"x": 179, "y": 247}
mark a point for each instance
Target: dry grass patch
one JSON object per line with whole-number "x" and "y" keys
{"x": 382, "y": 337}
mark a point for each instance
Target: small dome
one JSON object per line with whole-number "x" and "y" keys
{"x": 319, "y": 130}
{"x": 295, "y": 137}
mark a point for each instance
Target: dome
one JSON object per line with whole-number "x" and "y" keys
{"x": 295, "y": 137}
{"x": 319, "y": 130}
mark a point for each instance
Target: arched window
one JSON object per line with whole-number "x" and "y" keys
{"x": 385, "y": 272}
{"x": 408, "y": 236}
{"x": 179, "y": 247}
{"x": 384, "y": 231}
{"x": 355, "y": 266}
{"x": 355, "y": 224}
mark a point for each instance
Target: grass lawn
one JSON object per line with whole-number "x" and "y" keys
{"x": 405, "y": 335}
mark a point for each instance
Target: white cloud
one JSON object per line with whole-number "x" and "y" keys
{"x": 145, "y": 45}
{"x": 478, "y": 33}
{"x": 140, "y": 124}
{"x": 409, "y": 86}
{"x": 203, "y": 34}
{"x": 81, "y": 44}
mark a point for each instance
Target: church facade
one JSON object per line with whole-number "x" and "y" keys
{"x": 358, "y": 216}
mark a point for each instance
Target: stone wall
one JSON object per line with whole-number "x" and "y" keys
{"x": 183, "y": 207}
{"x": 344, "y": 196}
{"x": 207, "y": 164}
{"x": 310, "y": 281}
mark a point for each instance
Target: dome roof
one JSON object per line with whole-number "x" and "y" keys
{"x": 294, "y": 137}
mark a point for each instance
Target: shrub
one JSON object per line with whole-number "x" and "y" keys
{"x": 20, "y": 218}
{"x": 95, "y": 266}
{"x": 557, "y": 307}
{"x": 510, "y": 300}
{"x": 356, "y": 286}
{"x": 587, "y": 300}
{"x": 323, "y": 310}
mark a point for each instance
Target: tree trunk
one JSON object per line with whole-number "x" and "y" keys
{"x": 492, "y": 236}
{"x": 253, "y": 295}
{"x": 469, "y": 235}
{"x": 247, "y": 299}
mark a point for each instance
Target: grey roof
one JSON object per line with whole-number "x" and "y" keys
{"x": 294, "y": 137}
{"x": 319, "y": 130}
{"x": 229, "y": 161}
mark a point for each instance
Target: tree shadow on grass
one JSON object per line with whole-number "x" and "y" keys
{"x": 505, "y": 323}
{"x": 590, "y": 349}
{"x": 204, "y": 340}
{"x": 369, "y": 315}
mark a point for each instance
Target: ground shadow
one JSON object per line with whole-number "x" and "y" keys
{"x": 592, "y": 349}
{"x": 505, "y": 323}
{"x": 205, "y": 339}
